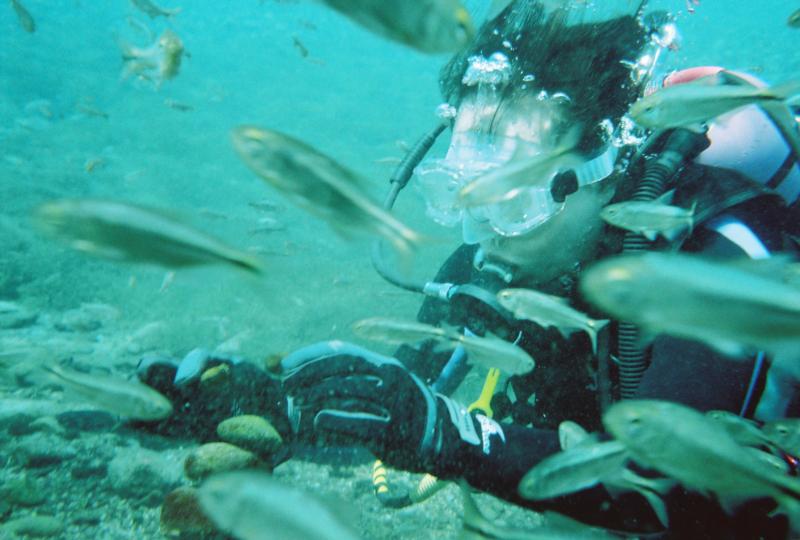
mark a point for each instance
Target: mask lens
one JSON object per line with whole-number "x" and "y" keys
{"x": 438, "y": 182}
{"x": 526, "y": 210}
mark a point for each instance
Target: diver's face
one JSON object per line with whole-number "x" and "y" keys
{"x": 569, "y": 236}
{"x": 558, "y": 245}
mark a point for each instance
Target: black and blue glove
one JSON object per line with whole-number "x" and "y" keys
{"x": 206, "y": 389}
{"x": 340, "y": 393}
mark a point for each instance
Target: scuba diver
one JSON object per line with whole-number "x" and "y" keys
{"x": 530, "y": 77}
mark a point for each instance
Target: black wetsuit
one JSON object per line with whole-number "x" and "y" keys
{"x": 679, "y": 370}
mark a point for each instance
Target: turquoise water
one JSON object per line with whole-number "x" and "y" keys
{"x": 355, "y": 96}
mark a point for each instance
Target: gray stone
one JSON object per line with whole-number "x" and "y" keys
{"x": 93, "y": 468}
{"x": 78, "y": 320}
{"x": 19, "y": 424}
{"x": 87, "y": 517}
{"x": 87, "y": 420}
{"x": 42, "y": 450}
{"x": 34, "y": 525}
{"x": 14, "y": 316}
{"x": 23, "y": 491}
{"x": 136, "y": 472}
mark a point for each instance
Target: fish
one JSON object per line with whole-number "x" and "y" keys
{"x": 794, "y": 19}
{"x": 24, "y": 17}
{"x": 507, "y": 181}
{"x": 784, "y": 433}
{"x": 575, "y": 469}
{"x": 253, "y": 505}
{"x": 489, "y": 351}
{"x": 493, "y": 352}
{"x": 299, "y": 46}
{"x": 130, "y": 399}
{"x": 267, "y": 224}
{"x": 585, "y": 462}
{"x": 686, "y": 445}
{"x": 159, "y": 62}
{"x": 745, "y": 432}
{"x": 398, "y": 332}
{"x": 651, "y": 218}
{"x": 319, "y": 185}
{"x": 127, "y": 232}
{"x": 266, "y": 205}
{"x": 702, "y": 100}
{"x": 476, "y": 526}
{"x": 547, "y": 310}
{"x": 571, "y": 434}
{"x": 152, "y": 10}
{"x": 429, "y": 26}
{"x": 177, "y": 105}
{"x": 737, "y": 307}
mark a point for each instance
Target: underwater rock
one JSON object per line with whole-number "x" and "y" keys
{"x": 87, "y": 517}
{"x": 48, "y": 424}
{"x": 87, "y": 420}
{"x": 23, "y": 491}
{"x": 42, "y": 450}
{"x": 217, "y": 457}
{"x": 181, "y": 513}
{"x": 14, "y": 316}
{"x": 34, "y": 525}
{"x": 136, "y": 472}
{"x": 19, "y": 424}
{"x": 92, "y": 468}
{"x": 76, "y": 320}
{"x": 250, "y": 432}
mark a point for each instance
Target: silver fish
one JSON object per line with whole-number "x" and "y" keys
{"x": 493, "y": 352}
{"x": 794, "y": 19}
{"x": 431, "y": 26}
{"x": 398, "y": 332}
{"x": 122, "y": 231}
{"x": 130, "y": 399}
{"x": 152, "y": 10}
{"x": 743, "y": 431}
{"x": 572, "y": 470}
{"x": 489, "y": 351}
{"x": 571, "y": 434}
{"x": 319, "y": 185}
{"x": 508, "y": 180}
{"x": 547, "y": 310}
{"x": 736, "y": 307}
{"x": 158, "y": 62}
{"x": 784, "y": 433}
{"x": 702, "y": 100}
{"x": 253, "y": 505}
{"x": 686, "y": 445}
{"x": 650, "y": 218}
{"x": 24, "y": 17}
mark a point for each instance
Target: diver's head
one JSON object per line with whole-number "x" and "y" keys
{"x": 536, "y": 82}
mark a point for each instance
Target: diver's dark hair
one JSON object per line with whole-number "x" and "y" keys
{"x": 582, "y": 60}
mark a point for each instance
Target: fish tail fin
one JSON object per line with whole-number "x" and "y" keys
{"x": 594, "y": 327}
{"x": 475, "y": 525}
{"x": 679, "y": 230}
{"x": 406, "y": 242}
{"x": 785, "y": 90}
{"x": 248, "y": 263}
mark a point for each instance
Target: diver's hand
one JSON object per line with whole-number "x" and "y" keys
{"x": 205, "y": 390}
{"x": 341, "y": 393}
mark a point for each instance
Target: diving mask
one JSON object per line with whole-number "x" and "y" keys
{"x": 473, "y": 155}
